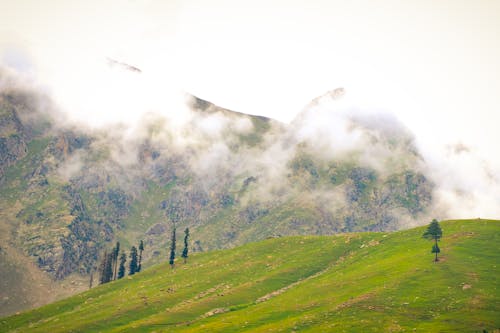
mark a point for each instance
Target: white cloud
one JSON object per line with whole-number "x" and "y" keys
{"x": 433, "y": 64}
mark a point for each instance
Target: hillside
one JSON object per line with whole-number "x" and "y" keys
{"x": 363, "y": 282}
{"x": 68, "y": 193}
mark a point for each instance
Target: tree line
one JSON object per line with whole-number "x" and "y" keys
{"x": 113, "y": 264}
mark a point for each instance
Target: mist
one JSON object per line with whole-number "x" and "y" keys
{"x": 330, "y": 130}
{"x": 127, "y": 85}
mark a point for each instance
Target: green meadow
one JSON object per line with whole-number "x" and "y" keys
{"x": 357, "y": 282}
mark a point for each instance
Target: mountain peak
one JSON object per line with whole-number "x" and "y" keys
{"x": 334, "y": 94}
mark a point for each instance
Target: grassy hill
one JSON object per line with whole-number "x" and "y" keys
{"x": 364, "y": 282}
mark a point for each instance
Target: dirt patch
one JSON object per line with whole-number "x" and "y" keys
{"x": 441, "y": 259}
{"x": 373, "y": 242}
{"x": 473, "y": 276}
{"x": 349, "y": 237}
{"x": 463, "y": 234}
{"x": 476, "y": 302}
{"x": 350, "y": 302}
{"x": 217, "y": 289}
{"x": 215, "y": 311}
{"x": 395, "y": 327}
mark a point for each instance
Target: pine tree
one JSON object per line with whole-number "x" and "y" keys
{"x": 436, "y": 250}
{"x": 102, "y": 269}
{"x": 141, "y": 248}
{"x": 133, "y": 261}
{"x": 186, "y": 250}
{"x": 172, "y": 250}
{"x": 109, "y": 267}
{"x": 106, "y": 268}
{"x": 91, "y": 279}
{"x": 116, "y": 252}
{"x": 121, "y": 270}
{"x": 434, "y": 232}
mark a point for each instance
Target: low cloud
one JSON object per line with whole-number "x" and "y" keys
{"x": 208, "y": 141}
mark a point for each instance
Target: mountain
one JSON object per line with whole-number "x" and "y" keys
{"x": 69, "y": 192}
{"x": 356, "y": 282}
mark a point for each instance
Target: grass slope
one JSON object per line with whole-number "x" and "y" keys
{"x": 366, "y": 282}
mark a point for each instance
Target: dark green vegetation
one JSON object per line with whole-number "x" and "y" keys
{"x": 435, "y": 233}
{"x": 106, "y": 268}
{"x": 185, "y": 251}
{"x": 365, "y": 282}
{"x": 109, "y": 270}
{"x": 171, "y": 260}
{"x": 68, "y": 193}
{"x": 121, "y": 269}
{"x": 133, "y": 261}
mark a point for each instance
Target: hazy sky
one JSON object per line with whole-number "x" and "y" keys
{"x": 435, "y": 64}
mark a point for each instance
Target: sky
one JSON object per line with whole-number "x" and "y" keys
{"x": 435, "y": 64}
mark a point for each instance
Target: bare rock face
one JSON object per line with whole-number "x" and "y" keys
{"x": 335, "y": 94}
{"x": 12, "y": 138}
{"x": 157, "y": 229}
{"x": 67, "y": 142}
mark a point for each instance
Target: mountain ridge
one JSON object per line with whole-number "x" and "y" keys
{"x": 231, "y": 177}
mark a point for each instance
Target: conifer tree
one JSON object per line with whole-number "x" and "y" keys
{"x": 186, "y": 249}
{"x": 133, "y": 261}
{"x": 109, "y": 267}
{"x": 102, "y": 269}
{"x": 121, "y": 270}
{"x": 141, "y": 248}
{"x": 116, "y": 252}
{"x": 434, "y": 232}
{"x": 436, "y": 250}
{"x": 106, "y": 268}
{"x": 172, "y": 249}
{"x": 91, "y": 279}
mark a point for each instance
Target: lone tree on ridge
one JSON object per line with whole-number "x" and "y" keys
{"x": 434, "y": 232}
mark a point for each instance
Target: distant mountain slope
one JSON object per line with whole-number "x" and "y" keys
{"x": 352, "y": 282}
{"x": 67, "y": 192}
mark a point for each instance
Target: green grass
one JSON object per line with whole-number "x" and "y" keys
{"x": 144, "y": 213}
{"x": 366, "y": 282}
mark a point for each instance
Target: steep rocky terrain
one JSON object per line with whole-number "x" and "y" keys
{"x": 12, "y": 140}
{"x": 68, "y": 193}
